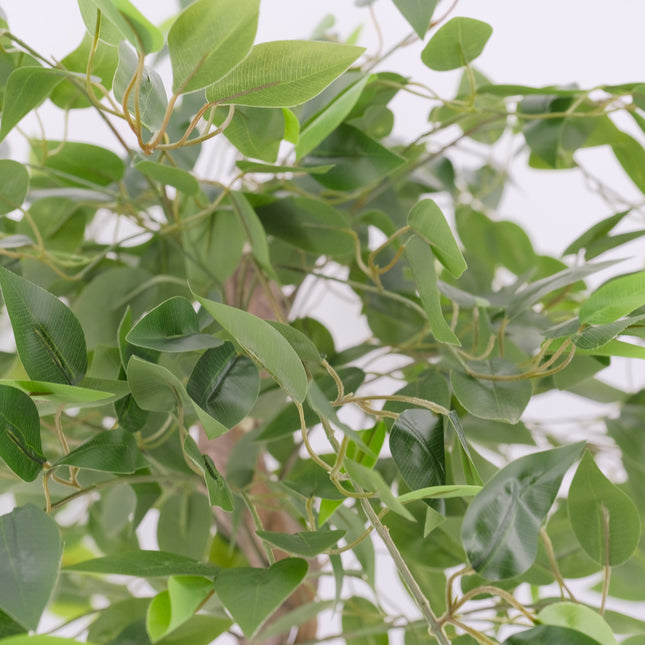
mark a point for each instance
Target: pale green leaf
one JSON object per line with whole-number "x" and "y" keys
{"x": 14, "y": 182}
{"x": 579, "y": 617}
{"x": 180, "y": 179}
{"x": 614, "y": 299}
{"x": 457, "y": 43}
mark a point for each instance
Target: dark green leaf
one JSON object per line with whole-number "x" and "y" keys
{"x": 252, "y": 595}
{"x": 514, "y": 503}
{"x": 49, "y": 338}
{"x": 14, "y": 181}
{"x": 456, "y": 44}
{"x": 113, "y": 451}
{"x": 30, "y": 554}
{"x": 306, "y": 544}
{"x": 20, "y": 445}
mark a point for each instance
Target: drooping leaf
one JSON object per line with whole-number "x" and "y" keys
{"x": 49, "y": 337}
{"x": 579, "y": 617}
{"x": 550, "y": 635}
{"x": 416, "y": 444}
{"x": 418, "y": 13}
{"x": 603, "y": 517}
{"x": 224, "y": 384}
{"x": 219, "y": 493}
{"x": 14, "y": 181}
{"x": 263, "y": 344}
{"x": 172, "y": 326}
{"x": 457, "y": 43}
{"x": 145, "y": 564}
{"x": 306, "y": 544}
{"x": 30, "y": 554}
{"x": 255, "y": 233}
{"x": 421, "y": 261}
{"x": 27, "y": 87}
{"x": 614, "y": 299}
{"x": 208, "y": 39}
{"x": 20, "y": 445}
{"x": 283, "y": 73}
{"x": 501, "y": 526}
{"x": 180, "y": 179}
{"x": 252, "y": 595}
{"x": 113, "y": 451}
{"x": 427, "y": 220}
{"x": 502, "y": 400}
{"x": 170, "y": 609}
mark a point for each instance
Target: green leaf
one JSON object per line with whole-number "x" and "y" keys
{"x": 40, "y": 639}
{"x": 152, "y": 94}
{"x": 514, "y": 503}
{"x": 429, "y": 223}
{"x": 283, "y": 73}
{"x": 69, "y": 395}
{"x": 582, "y": 619}
{"x": 219, "y": 493}
{"x": 550, "y": 635}
{"x": 253, "y": 166}
{"x": 131, "y": 24}
{"x": 252, "y": 595}
{"x": 416, "y": 444}
{"x": 468, "y": 465}
{"x": 201, "y": 629}
{"x": 255, "y": 233}
{"x": 264, "y": 345}
{"x": 20, "y": 445}
{"x": 614, "y": 299}
{"x": 49, "y": 338}
{"x": 27, "y": 87}
{"x": 440, "y": 492}
{"x": 145, "y": 564}
{"x": 172, "y": 608}
{"x": 456, "y": 44}
{"x": 421, "y": 261}
{"x": 30, "y": 554}
{"x": 360, "y": 616}
{"x": 594, "y": 337}
{"x": 329, "y": 119}
{"x": 418, "y": 13}
{"x": 208, "y": 39}
{"x": 154, "y": 387}
{"x": 596, "y": 232}
{"x": 603, "y": 517}
{"x": 184, "y": 524}
{"x": 492, "y": 399}
{"x": 224, "y": 384}
{"x": 113, "y": 451}
{"x": 171, "y": 326}
{"x": 14, "y": 182}
{"x": 180, "y": 179}
{"x": 306, "y": 544}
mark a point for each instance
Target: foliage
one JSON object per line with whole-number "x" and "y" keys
{"x": 163, "y": 374}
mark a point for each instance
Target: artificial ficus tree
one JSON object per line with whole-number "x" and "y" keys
{"x": 162, "y": 372}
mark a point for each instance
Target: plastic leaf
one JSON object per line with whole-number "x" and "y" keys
{"x": 14, "y": 182}
{"x": 219, "y": 493}
{"x": 418, "y": 13}
{"x": 551, "y": 635}
{"x": 456, "y": 44}
{"x": 579, "y": 617}
{"x": 180, "y": 179}
{"x": 306, "y": 544}
{"x": 614, "y": 299}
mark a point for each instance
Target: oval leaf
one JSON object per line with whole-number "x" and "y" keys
{"x": 283, "y": 73}
{"x": 603, "y": 517}
{"x": 14, "y": 182}
{"x": 208, "y": 39}
{"x": 614, "y": 299}
{"x": 49, "y": 338}
{"x": 30, "y": 554}
{"x": 20, "y": 446}
{"x": 456, "y": 44}
{"x": 265, "y": 346}
{"x": 501, "y": 526}
{"x": 578, "y": 617}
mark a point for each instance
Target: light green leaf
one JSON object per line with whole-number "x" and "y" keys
{"x": 329, "y": 119}
{"x": 201, "y": 629}
{"x": 208, "y": 39}
{"x": 579, "y": 617}
{"x": 145, "y": 564}
{"x": 70, "y": 395}
{"x": 427, "y": 220}
{"x": 594, "y": 337}
{"x": 224, "y": 384}
{"x": 416, "y": 444}
{"x": 219, "y": 493}
{"x": 180, "y": 179}
{"x": 30, "y": 555}
{"x": 131, "y": 24}
{"x": 492, "y": 399}
{"x": 27, "y": 87}
{"x": 252, "y": 595}
{"x": 514, "y": 503}
{"x": 111, "y": 451}
{"x": 171, "y": 326}
{"x": 40, "y": 639}
{"x": 603, "y": 517}
{"x": 20, "y": 445}
{"x": 456, "y": 44}
{"x": 172, "y": 608}
{"x": 440, "y": 492}
{"x": 49, "y": 338}
{"x": 14, "y": 182}
{"x": 152, "y": 94}
{"x": 418, "y": 13}
{"x": 614, "y": 299}
{"x": 266, "y": 346}
{"x": 253, "y": 166}
{"x": 154, "y": 387}
{"x": 306, "y": 544}
{"x": 550, "y": 635}
{"x": 421, "y": 261}
{"x": 283, "y": 73}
